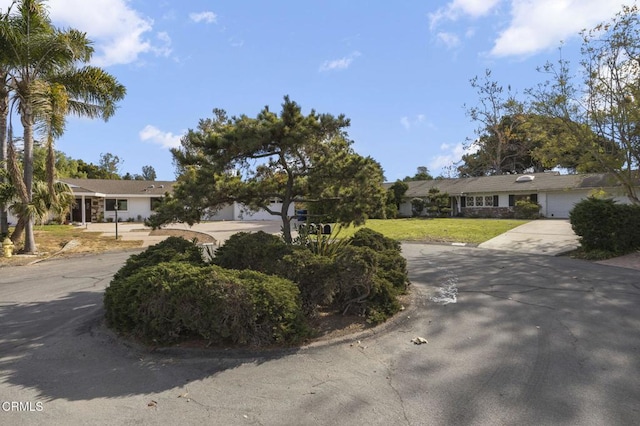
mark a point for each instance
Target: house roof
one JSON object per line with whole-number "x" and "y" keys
{"x": 550, "y": 181}
{"x": 130, "y": 188}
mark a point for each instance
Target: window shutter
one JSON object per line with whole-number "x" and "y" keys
{"x": 495, "y": 201}
{"x": 463, "y": 201}
{"x": 512, "y": 200}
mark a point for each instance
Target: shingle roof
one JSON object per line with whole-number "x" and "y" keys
{"x": 120, "y": 187}
{"x": 507, "y": 183}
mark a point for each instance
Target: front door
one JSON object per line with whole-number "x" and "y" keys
{"x": 76, "y": 212}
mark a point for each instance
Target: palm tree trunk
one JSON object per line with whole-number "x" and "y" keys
{"x": 4, "y": 112}
{"x": 18, "y": 231}
{"x": 27, "y": 124}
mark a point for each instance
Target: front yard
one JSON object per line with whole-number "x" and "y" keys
{"x": 453, "y": 230}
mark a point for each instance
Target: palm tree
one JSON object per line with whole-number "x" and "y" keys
{"x": 47, "y": 85}
{"x": 46, "y": 202}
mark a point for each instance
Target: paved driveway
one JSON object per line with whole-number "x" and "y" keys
{"x": 529, "y": 340}
{"x": 544, "y": 236}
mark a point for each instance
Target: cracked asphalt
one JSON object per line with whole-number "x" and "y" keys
{"x": 531, "y": 340}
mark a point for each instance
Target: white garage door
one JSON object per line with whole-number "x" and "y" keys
{"x": 560, "y": 204}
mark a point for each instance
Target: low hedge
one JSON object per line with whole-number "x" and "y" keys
{"x": 604, "y": 225}
{"x": 172, "y": 249}
{"x": 257, "y": 251}
{"x": 172, "y": 301}
{"x": 258, "y": 291}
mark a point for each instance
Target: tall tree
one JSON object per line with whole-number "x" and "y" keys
{"x": 422, "y": 173}
{"x": 516, "y": 150}
{"x": 603, "y": 110}
{"x": 149, "y": 173}
{"x": 290, "y": 157}
{"x": 495, "y": 133}
{"x": 46, "y": 85}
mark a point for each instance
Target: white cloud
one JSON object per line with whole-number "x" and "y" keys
{"x": 408, "y": 122}
{"x": 451, "y": 154}
{"x": 206, "y": 17}
{"x": 543, "y": 24}
{"x": 119, "y": 32}
{"x": 532, "y": 26}
{"x": 450, "y": 40}
{"x": 339, "y": 64}
{"x": 165, "y": 139}
{"x": 457, "y": 8}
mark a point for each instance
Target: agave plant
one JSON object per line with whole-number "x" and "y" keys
{"x": 312, "y": 237}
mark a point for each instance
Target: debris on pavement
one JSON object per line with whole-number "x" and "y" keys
{"x": 419, "y": 340}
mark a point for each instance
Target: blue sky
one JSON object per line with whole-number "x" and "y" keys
{"x": 399, "y": 70}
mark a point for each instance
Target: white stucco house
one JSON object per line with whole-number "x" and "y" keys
{"x": 97, "y": 199}
{"x": 495, "y": 196}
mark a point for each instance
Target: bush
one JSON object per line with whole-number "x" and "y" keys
{"x": 172, "y": 301}
{"x": 314, "y": 275}
{"x": 257, "y": 251}
{"x": 366, "y": 237}
{"x": 172, "y": 249}
{"x": 390, "y": 211}
{"x": 362, "y": 290}
{"x": 526, "y": 210}
{"x": 604, "y": 225}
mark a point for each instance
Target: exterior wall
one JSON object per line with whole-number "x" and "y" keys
{"x": 226, "y": 213}
{"x": 405, "y": 209}
{"x": 488, "y": 212}
{"x": 135, "y": 207}
{"x": 241, "y": 212}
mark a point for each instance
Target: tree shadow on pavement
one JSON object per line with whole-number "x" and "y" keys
{"x": 62, "y": 349}
{"x": 530, "y": 340}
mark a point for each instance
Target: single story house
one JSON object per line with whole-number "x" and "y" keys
{"x": 495, "y": 196}
{"x": 97, "y": 199}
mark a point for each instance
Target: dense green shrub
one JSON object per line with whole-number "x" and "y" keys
{"x": 362, "y": 289}
{"x": 525, "y": 209}
{"x": 257, "y": 251}
{"x": 314, "y": 275}
{"x": 602, "y": 224}
{"x": 172, "y": 249}
{"x": 366, "y": 237}
{"x": 171, "y": 301}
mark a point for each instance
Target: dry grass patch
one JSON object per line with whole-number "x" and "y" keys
{"x": 50, "y": 239}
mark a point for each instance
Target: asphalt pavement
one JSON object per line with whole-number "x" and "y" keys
{"x": 512, "y": 338}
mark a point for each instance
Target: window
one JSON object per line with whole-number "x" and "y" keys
{"x": 529, "y": 197}
{"x": 480, "y": 201}
{"x": 155, "y": 202}
{"x": 110, "y": 204}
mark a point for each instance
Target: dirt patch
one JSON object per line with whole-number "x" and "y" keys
{"x": 184, "y": 233}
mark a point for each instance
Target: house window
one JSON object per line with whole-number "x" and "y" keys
{"x": 528, "y": 197}
{"x": 155, "y": 202}
{"x": 481, "y": 201}
{"x": 110, "y": 204}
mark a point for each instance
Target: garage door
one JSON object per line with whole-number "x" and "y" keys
{"x": 560, "y": 204}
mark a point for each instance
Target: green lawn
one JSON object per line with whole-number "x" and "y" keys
{"x": 439, "y": 230}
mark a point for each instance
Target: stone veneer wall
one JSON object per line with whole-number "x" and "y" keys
{"x": 493, "y": 212}
{"x": 97, "y": 210}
